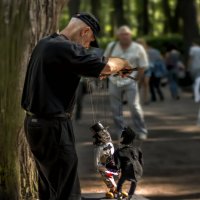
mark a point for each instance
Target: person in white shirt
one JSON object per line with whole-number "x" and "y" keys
{"x": 194, "y": 64}
{"x": 194, "y": 60}
{"x": 137, "y": 57}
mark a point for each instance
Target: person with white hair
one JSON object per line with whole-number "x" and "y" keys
{"x": 127, "y": 49}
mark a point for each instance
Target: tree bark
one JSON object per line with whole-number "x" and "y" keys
{"x": 190, "y": 25}
{"x": 172, "y": 19}
{"x": 23, "y": 23}
{"x": 168, "y": 16}
{"x": 175, "y": 23}
{"x": 119, "y": 18}
{"x": 143, "y": 23}
{"x": 73, "y": 6}
{"x": 96, "y": 8}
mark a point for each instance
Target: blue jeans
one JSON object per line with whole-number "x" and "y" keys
{"x": 173, "y": 83}
{"x": 116, "y": 101}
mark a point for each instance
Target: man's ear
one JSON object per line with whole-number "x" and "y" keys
{"x": 85, "y": 31}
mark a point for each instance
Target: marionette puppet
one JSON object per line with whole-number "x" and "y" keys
{"x": 104, "y": 160}
{"x": 128, "y": 159}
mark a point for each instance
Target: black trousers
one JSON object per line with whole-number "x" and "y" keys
{"x": 52, "y": 143}
{"x": 120, "y": 183}
{"x": 154, "y": 85}
{"x": 79, "y": 101}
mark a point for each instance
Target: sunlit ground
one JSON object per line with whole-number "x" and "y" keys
{"x": 171, "y": 152}
{"x": 163, "y": 186}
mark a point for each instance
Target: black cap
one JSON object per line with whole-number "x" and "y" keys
{"x": 92, "y": 22}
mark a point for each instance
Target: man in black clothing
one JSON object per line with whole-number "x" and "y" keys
{"x": 54, "y": 70}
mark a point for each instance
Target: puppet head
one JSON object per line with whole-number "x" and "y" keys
{"x": 128, "y": 136}
{"x": 101, "y": 134}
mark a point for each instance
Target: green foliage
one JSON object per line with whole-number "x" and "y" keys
{"x": 160, "y": 33}
{"x": 133, "y": 12}
{"x": 163, "y": 41}
{"x": 64, "y": 18}
{"x": 104, "y": 41}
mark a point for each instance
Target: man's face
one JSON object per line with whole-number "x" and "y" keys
{"x": 87, "y": 37}
{"x": 124, "y": 38}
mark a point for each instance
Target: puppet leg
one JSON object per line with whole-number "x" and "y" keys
{"x": 110, "y": 183}
{"x": 119, "y": 187}
{"x": 131, "y": 190}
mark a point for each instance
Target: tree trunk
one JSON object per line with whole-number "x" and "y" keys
{"x": 23, "y": 23}
{"x": 119, "y": 18}
{"x": 73, "y": 6}
{"x": 172, "y": 19}
{"x": 96, "y": 8}
{"x": 143, "y": 27}
{"x": 189, "y": 17}
{"x": 145, "y": 17}
{"x": 168, "y": 16}
{"x": 175, "y": 23}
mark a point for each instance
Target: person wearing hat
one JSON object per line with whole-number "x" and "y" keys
{"x": 128, "y": 159}
{"x": 125, "y": 48}
{"x": 54, "y": 70}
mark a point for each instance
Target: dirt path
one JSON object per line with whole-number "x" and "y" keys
{"x": 171, "y": 153}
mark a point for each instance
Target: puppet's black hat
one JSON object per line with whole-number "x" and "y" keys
{"x": 97, "y": 127}
{"x": 100, "y": 134}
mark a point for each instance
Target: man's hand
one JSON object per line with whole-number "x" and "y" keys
{"x": 103, "y": 76}
{"x": 117, "y": 65}
{"x": 120, "y": 65}
{"x": 125, "y": 72}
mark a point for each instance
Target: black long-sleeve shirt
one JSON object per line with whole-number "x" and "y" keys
{"x": 53, "y": 74}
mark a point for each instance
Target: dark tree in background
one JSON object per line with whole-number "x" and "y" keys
{"x": 189, "y": 16}
{"x": 175, "y": 25}
{"x": 96, "y": 8}
{"x": 74, "y": 6}
{"x": 119, "y": 16}
{"x": 143, "y": 17}
{"x": 145, "y": 24}
{"x": 168, "y": 23}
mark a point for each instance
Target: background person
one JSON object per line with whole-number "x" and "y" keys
{"x": 172, "y": 60}
{"x": 135, "y": 54}
{"x": 194, "y": 59}
{"x": 154, "y": 73}
{"x": 144, "y": 83}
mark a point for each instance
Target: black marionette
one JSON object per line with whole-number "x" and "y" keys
{"x": 128, "y": 158}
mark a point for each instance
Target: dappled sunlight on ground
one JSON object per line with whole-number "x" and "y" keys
{"x": 171, "y": 152}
